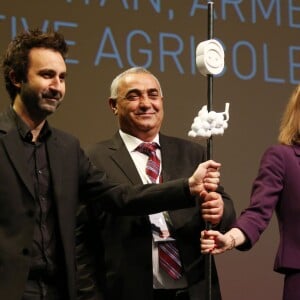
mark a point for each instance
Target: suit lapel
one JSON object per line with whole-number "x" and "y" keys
{"x": 167, "y": 158}
{"x": 169, "y": 172}
{"x": 123, "y": 160}
{"x": 13, "y": 146}
{"x": 14, "y": 149}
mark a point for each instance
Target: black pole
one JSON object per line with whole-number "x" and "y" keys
{"x": 210, "y": 9}
{"x": 209, "y": 146}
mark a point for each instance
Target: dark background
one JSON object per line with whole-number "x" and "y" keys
{"x": 262, "y": 58}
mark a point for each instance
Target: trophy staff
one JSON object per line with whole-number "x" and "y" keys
{"x": 210, "y": 62}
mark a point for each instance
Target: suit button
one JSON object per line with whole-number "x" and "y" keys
{"x": 25, "y": 251}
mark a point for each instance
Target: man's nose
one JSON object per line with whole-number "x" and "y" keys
{"x": 145, "y": 99}
{"x": 57, "y": 83}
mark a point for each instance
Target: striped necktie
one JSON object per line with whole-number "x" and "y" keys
{"x": 153, "y": 163}
{"x": 169, "y": 259}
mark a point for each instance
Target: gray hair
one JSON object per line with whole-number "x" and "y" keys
{"x": 135, "y": 70}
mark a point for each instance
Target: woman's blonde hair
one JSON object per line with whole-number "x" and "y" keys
{"x": 290, "y": 122}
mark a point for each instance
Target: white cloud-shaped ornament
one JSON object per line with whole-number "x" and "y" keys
{"x": 210, "y": 123}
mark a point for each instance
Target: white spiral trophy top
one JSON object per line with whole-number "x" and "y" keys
{"x": 210, "y": 57}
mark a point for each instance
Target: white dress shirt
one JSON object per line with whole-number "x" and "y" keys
{"x": 161, "y": 280}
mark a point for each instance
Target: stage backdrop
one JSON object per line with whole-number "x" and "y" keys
{"x": 262, "y": 57}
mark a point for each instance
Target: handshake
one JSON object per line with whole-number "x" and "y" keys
{"x": 204, "y": 183}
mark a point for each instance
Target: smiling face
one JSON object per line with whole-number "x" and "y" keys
{"x": 44, "y": 89}
{"x": 139, "y": 105}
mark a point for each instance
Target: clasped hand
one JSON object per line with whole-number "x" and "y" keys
{"x": 205, "y": 178}
{"x": 215, "y": 242}
{"x": 204, "y": 183}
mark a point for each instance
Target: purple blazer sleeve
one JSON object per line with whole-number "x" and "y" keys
{"x": 276, "y": 188}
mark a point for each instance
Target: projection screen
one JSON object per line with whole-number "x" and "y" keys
{"x": 262, "y": 67}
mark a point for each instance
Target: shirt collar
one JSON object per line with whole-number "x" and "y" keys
{"x": 25, "y": 132}
{"x": 132, "y": 142}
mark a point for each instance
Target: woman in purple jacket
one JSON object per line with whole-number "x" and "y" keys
{"x": 276, "y": 188}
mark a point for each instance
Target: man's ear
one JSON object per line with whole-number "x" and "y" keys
{"x": 14, "y": 80}
{"x": 113, "y": 105}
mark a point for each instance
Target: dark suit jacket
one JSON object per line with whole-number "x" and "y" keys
{"x": 277, "y": 187}
{"x": 128, "y": 240}
{"x": 73, "y": 178}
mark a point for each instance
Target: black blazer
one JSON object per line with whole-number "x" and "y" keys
{"x": 73, "y": 178}
{"x": 127, "y": 240}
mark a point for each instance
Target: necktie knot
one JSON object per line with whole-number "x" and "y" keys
{"x": 147, "y": 148}
{"x": 153, "y": 163}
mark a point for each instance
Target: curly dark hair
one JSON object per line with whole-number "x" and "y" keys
{"x": 16, "y": 56}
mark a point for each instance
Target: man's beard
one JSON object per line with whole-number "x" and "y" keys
{"x": 36, "y": 104}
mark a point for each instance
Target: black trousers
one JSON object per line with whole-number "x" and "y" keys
{"x": 172, "y": 294}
